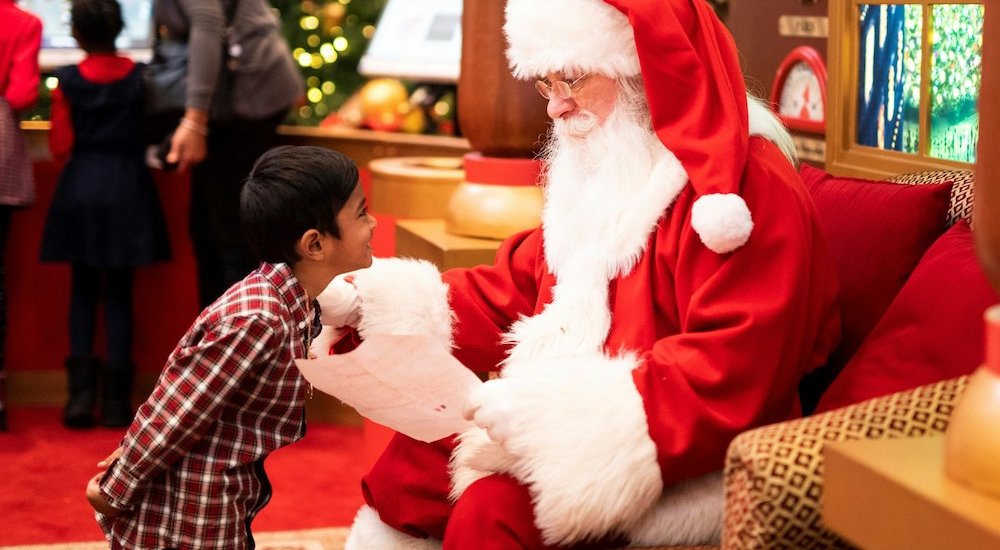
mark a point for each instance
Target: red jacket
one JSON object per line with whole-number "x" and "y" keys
{"x": 19, "y": 43}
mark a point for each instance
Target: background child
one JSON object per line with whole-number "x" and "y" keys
{"x": 190, "y": 473}
{"x": 105, "y": 217}
{"x": 19, "y": 42}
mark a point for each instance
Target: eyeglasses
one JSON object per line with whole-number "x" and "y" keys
{"x": 559, "y": 88}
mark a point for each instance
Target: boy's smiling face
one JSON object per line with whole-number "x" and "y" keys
{"x": 353, "y": 249}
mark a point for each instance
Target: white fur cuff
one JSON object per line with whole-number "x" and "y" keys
{"x": 369, "y": 533}
{"x": 582, "y": 445}
{"x": 404, "y": 296}
{"x": 687, "y": 514}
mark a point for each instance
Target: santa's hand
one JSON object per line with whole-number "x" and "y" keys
{"x": 491, "y": 407}
{"x": 339, "y": 303}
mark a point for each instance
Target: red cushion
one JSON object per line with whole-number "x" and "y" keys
{"x": 877, "y": 231}
{"x": 932, "y": 331}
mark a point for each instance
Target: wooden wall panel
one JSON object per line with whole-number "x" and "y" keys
{"x": 754, "y": 25}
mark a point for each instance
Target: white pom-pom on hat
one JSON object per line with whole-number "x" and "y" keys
{"x": 722, "y": 221}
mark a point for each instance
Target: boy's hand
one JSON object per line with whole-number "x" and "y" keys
{"x": 106, "y": 463}
{"x": 97, "y": 500}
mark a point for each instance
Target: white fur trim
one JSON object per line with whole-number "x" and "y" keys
{"x": 688, "y": 514}
{"x": 581, "y": 445}
{"x": 338, "y": 303}
{"x": 578, "y": 36}
{"x": 722, "y": 220}
{"x": 404, "y": 296}
{"x": 369, "y": 533}
{"x": 476, "y": 457}
{"x": 614, "y": 240}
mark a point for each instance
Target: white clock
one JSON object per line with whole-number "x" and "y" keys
{"x": 799, "y": 91}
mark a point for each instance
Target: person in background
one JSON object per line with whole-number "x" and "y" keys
{"x": 19, "y": 43}
{"x": 105, "y": 218}
{"x": 264, "y": 84}
{"x": 190, "y": 470}
{"x": 676, "y": 292}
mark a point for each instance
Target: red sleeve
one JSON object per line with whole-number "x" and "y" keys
{"x": 487, "y": 299}
{"x": 753, "y": 322}
{"x": 23, "y": 88}
{"x": 61, "y": 134}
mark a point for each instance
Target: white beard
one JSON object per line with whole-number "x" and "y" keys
{"x": 597, "y": 176}
{"x": 606, "y": 191}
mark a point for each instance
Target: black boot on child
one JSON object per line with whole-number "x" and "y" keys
{"x": 82, "y": 376}
{"x": 116, "y": 410}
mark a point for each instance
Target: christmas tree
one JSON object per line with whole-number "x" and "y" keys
{"x": 327, "y": 39}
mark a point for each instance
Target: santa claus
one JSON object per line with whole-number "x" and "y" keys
{"x": 677, "y": 291}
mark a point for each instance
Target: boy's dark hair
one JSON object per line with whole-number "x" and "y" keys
{"x": 291, "y": 190}
{"x": 96, "y": 24}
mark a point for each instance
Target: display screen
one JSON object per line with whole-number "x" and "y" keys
{"x": 956, "y": 73}
{"x": 58, "y": 45}
{"x": 889, "y": 72}
{"x": 891, "y": 80}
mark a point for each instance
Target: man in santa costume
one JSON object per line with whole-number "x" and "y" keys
{"x": 677, "y": 291}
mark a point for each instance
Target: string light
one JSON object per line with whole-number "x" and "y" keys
{"x": 328, "y": 52}
{"x": 309, "y": 22}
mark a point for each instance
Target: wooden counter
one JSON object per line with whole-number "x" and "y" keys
{"x": 893, "y": 493}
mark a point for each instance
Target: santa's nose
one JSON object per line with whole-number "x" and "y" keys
{"x": 559, "y": 107}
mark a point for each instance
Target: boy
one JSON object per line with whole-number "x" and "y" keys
{"x": 190, "y": 472}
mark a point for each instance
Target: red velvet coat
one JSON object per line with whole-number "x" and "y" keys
{"x": 632, "y": 354}
{"x": 722, "y": 340}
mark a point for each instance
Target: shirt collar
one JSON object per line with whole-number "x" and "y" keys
{"x": 290, "y": 290}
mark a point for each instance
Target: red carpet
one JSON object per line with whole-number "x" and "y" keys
{"x": 44, "y": 469}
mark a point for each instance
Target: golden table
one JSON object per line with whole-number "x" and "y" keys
{"x": 428, "y": 240}
{"x": 893, "y": 493}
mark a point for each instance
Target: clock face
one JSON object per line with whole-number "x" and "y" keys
{"x": 801, "y": 96}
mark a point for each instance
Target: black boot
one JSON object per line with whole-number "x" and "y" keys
{"x": 82, "y": 374}
{"x": 116, "y": 410}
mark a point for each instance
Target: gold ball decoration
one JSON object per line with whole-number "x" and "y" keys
{"x": 414, "y": 122}
{"x": 384, "y": 104}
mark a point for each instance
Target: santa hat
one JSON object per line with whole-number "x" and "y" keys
{"x": 692, "y": 77}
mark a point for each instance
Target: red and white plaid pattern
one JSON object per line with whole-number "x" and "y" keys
{"x": 192, "y": 470}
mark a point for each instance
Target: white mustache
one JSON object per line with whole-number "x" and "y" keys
{"x": 579, "y": 125}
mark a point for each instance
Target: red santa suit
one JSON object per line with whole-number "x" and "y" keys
{"x": 633, "y": 348}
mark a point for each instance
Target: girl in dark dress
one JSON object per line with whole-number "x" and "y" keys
{"x": 105, "y": 217}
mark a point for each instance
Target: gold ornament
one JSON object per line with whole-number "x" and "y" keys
{"x": 414, "y": 122}
{"x": 384, "y": 103}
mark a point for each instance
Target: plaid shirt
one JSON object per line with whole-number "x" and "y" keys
{"x": 192, "y": 471}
